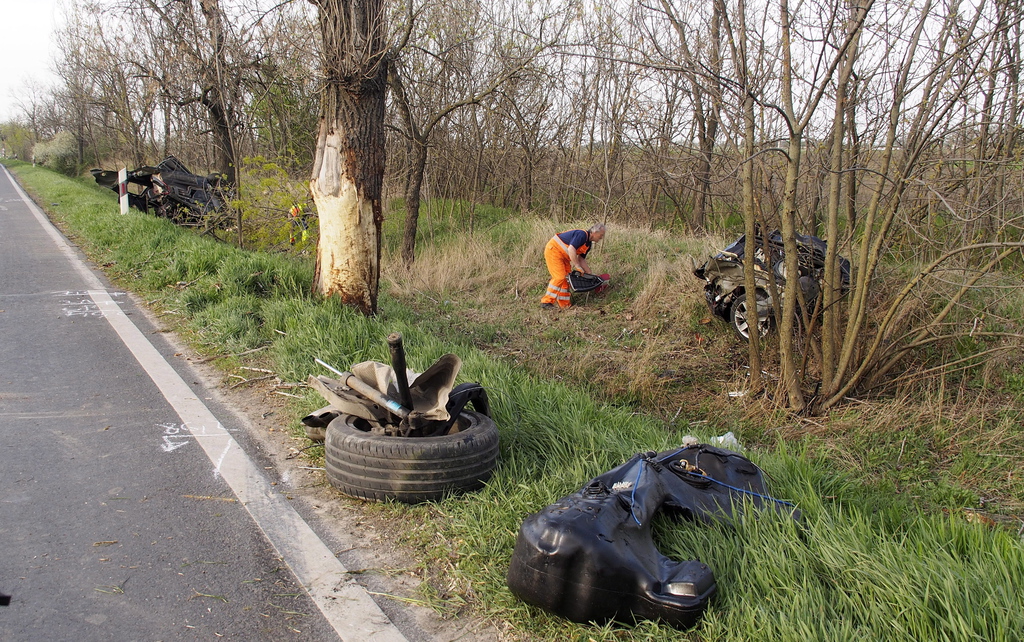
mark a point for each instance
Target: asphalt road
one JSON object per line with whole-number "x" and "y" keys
{"x": 132, "y": 507}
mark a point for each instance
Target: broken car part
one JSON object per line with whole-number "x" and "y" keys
{"x": 591, "y": 557}
{"x": 420, "y": 449}
{"x": 583, "y": 282}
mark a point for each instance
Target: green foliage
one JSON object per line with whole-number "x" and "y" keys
{"x": 60, "y": 153}
{"x": 16, "y": 141}
{"x": 733, "y": 221}
{"x": 268, "y": 194}
{"x": 285, "y": 116}
{"x": 442, "y": 220}
{"x": 892, "y": 574}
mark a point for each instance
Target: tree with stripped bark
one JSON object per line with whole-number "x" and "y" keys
{"x": 348, "y": 168}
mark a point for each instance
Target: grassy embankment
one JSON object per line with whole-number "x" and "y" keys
{"x": 884, "y": 553}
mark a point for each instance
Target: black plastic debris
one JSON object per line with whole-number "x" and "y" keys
{"x": 583, "y": 282}
{"x": 170, "y": 190}
{"x": 590, "y": 557}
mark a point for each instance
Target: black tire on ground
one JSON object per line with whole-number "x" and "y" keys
{"x": 740, "y": 320}
{"x": 372, "y": 466}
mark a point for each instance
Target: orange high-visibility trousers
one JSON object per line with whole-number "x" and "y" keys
{"x": 559, "y": 267}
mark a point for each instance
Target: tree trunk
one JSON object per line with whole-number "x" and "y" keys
{"x": 214, "y": 99}
{"x": 791, "y": 374}
{"x": 412, "y": 201}
{"x": 831, "y": 317}
{"x": 787, "y": 354}
{"x": 224, "y": 145}
{"x": 348, "y": 169}
{"x": 740, "y": 61}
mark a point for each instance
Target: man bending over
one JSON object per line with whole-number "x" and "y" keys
{"x": 565, "y": 252}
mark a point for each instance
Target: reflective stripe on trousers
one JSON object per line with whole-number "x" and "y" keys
{"x": 557, "y": 258}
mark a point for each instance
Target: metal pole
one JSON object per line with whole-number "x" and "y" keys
{"x": 398, "y": 365}
{"x": 368, "y": 391}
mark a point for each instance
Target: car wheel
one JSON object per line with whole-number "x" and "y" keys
{"x": 376, "y": 467}
{"x": 741, "y": 319}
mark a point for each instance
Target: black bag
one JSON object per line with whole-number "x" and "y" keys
{"x": 582, "y": 282}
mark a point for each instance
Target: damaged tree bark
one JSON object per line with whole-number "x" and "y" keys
{"x": 348, "y": 169}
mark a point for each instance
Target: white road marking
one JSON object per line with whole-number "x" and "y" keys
{"x": 220, "y": 461}
{"x": 348, "y": 608}
{"x": 170, "y": 444}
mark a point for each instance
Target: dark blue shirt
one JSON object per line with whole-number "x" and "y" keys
{"x": 579, "y": 239}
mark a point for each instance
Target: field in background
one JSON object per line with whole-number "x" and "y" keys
{"x": 910, "y": 498}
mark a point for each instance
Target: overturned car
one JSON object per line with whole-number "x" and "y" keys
{"x": 725, "y": 291}
{"x": 170, "y": 190}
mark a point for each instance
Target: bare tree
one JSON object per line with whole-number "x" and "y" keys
{"x": 738, "y": 36}
{"x": 704, "y": 78}
{"x": 197, "y": 35}
{"x": 448, "y": 59}
{"x": 104, "y": 103}
{"x": 217, "y": 95}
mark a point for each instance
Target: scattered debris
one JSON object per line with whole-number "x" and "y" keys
{"x": 583, "y": 282}
{"x": 728, "y": 440}
{"x": 390, "y": 433}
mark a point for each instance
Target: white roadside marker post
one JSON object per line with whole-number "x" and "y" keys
{"x": 122, "y": 189}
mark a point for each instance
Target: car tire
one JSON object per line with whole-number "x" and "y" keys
{"x": 739, "y": 319}
{"x": 378, "y": 467}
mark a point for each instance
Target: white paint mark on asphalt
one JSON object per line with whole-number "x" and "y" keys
{"x": 220, "y": 461}
{"x": 175, "y": 436}
{"x": 171, "y": 444}
{"x": 345, "y": 605}
{"x": 78, "y": 304}
{"x": 81, "y": 312}
{"x": 172, "y": 437}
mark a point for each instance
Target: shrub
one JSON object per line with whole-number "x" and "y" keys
{"x": 60, "y": 153}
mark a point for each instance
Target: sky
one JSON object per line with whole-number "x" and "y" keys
{"x": 26, "y": 49}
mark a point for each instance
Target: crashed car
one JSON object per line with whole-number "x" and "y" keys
{"x": 170, "y": 190}
{"x": 724, "y": 288}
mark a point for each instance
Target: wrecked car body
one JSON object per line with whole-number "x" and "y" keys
{"x": 170, "y": 190}
{"x": 725, "y": 290}
{"x": 591, "y": 557}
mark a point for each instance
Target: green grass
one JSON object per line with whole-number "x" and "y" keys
{"x": 869, "y": 561}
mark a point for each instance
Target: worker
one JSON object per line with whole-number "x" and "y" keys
{"x": 299, "y": 220}
{"x": 565, "y": 252}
